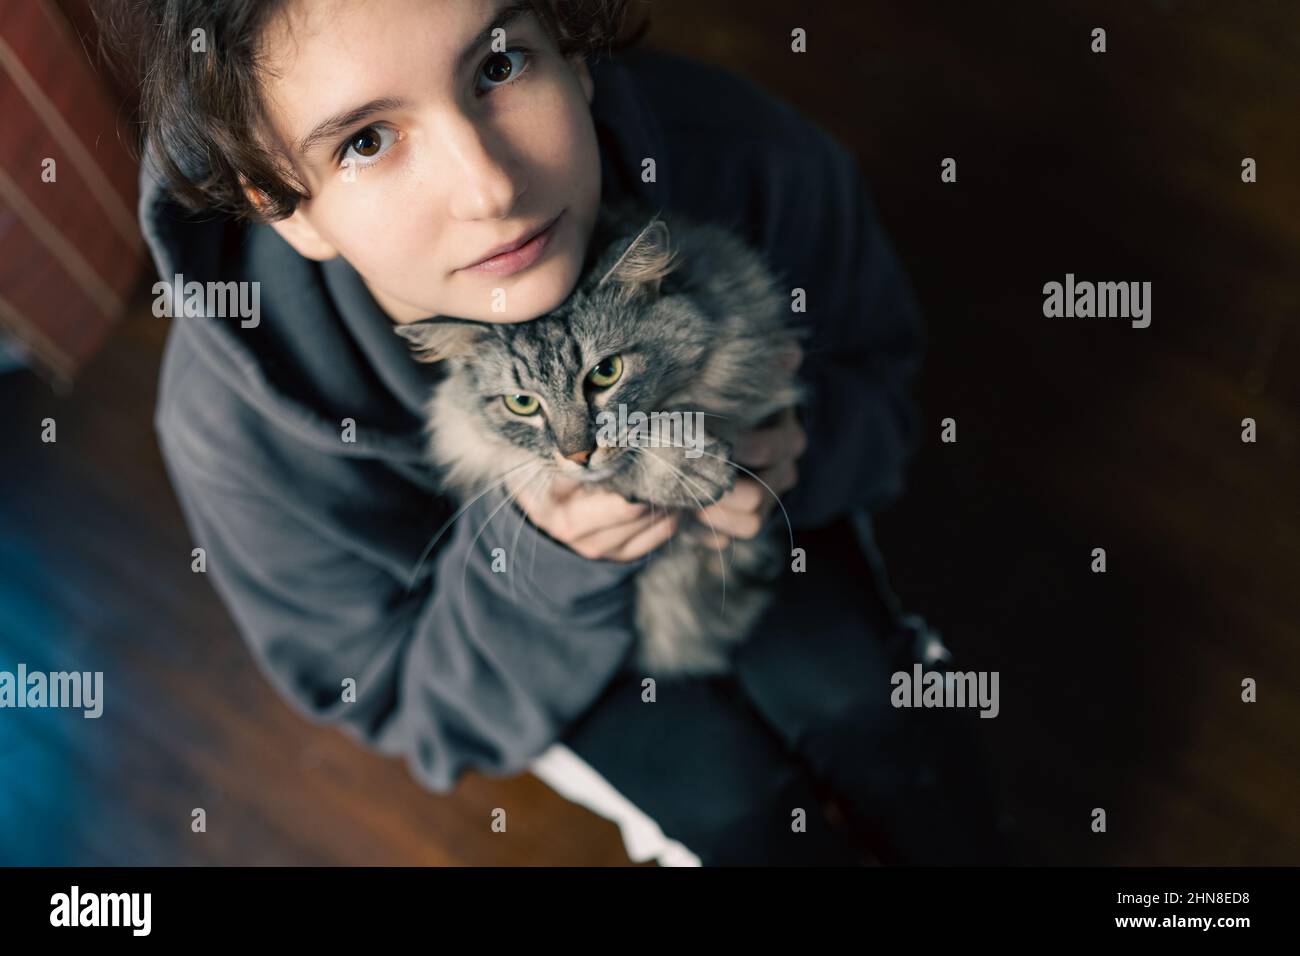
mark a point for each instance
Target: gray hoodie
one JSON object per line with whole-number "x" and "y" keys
{"x": 314, "y": 542}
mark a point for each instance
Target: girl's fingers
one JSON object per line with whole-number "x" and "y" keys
{"x": 584, "y": 517}
{"x": 742, "y": 511}
{"x": 601, "y": 524}
{"x": 645, "y": 542}
{"x": 611, "y": 540}
{"x": 744, "y": 495}
{"x": 736, "y": 524}
{"x": 715, "y": 538}
{"x": 756, "y": 450}
{"x": 780, "y": 479}
{"x": 767, "y": 446}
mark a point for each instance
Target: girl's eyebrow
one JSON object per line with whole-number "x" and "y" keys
{"x": 340, "y": 123}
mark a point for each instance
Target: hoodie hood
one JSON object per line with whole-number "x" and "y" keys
{"x": 322, "y": 349}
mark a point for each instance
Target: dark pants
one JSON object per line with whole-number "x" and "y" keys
{"x": 722, "y": 764}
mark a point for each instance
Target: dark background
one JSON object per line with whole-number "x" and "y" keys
{"x": 1119, "y": 690}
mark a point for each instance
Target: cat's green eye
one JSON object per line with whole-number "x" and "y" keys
{"x": 522, "y": 404}
{"x": 607, "y": 372}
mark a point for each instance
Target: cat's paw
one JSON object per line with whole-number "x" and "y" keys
{"x": 668, "y": 478}
{"x": 711, "y": 476}
{"x": 696, "y": 483}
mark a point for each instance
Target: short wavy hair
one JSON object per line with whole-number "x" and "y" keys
{"x": 200, "y": 116}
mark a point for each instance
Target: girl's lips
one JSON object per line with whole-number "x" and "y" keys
{"x": 518, "y": 259}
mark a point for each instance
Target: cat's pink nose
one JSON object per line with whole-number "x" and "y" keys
{"x": 580, "y": 457}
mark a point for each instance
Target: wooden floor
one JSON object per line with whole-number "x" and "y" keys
{"x": 1119, "y": 691}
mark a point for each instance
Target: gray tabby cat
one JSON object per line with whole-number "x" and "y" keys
{"x": 669, "y": 315}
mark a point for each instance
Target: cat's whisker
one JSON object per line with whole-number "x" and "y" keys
{"x": 682, "y": 479}
{"x": 652, "y": 521}
{"x": 510, "y": 496}
{"x": 532, "y": 561}
{"x": 523, "y": 518}
{"x": 717, "y": 544}
{"x": 428, "y": 548}
{"x": 789, "y": 527}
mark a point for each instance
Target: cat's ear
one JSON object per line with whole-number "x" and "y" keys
{"x": 645, "y": 262}
{"x": 433, "y": 340}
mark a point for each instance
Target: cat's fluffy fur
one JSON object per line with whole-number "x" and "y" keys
{"x": 699, "y": 325}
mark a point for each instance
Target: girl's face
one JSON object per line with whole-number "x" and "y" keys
{"x": 424, "y": 151}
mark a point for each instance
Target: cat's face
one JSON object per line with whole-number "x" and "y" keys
{"x": 543, "y": 385}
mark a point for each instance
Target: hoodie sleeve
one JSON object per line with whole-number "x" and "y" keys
{"x": 470, "y": 669}
{"x": 866, "y": 335}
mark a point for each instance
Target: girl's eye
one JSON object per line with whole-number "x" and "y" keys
{"x": 607, "y": 372}
{"x": 368, "y": 146}
{"x": 502, "y": 68}
{"x": 522, "y": 404}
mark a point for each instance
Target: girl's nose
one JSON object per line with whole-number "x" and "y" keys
{"x": 485, "y": 185}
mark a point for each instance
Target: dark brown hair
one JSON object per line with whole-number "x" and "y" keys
{"x": 202, "y": 117}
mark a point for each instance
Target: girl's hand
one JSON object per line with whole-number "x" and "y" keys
{"x": 771, "y": 454}
{"x": 595, "y": 524}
